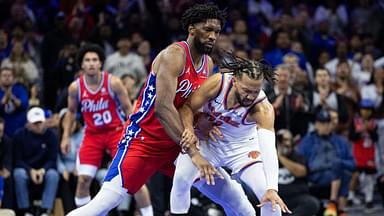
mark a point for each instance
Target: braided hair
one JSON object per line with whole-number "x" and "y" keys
{"x": 200, "y": 13}
{"x": 255, "y": 69}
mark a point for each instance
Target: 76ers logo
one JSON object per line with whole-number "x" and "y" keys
{"x": 185, "y": 87}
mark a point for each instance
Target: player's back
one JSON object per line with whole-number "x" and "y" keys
{"x": 143, "y": 122}
{"x": 100, "y": 108}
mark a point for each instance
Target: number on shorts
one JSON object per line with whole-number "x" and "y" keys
{"x": 102, "y": 118}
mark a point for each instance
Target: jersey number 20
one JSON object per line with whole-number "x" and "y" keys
{"x": 104, "y": 118}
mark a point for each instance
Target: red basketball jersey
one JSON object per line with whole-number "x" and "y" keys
{"x": 100, "y": 109}
{"x": 143, "y": 122}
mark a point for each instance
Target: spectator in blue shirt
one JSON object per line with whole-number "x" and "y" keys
{"x": 36, "y": 158}
{"x": 281, "y": 47}
{"x": 329, "y": 163}
{"x": 13, "y": 101}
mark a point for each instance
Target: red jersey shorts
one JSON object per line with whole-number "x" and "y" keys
{"x": 94, "y": 146}
{"x": 137, "y": 161}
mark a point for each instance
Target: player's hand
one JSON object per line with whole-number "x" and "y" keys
{"x": 188, "y": 138}
{"x": 205, "y": 168}
{"x": 65, "y": 145}
{"x": 215, "y": 133}
{"x": 207, "y": 127}
{"x": 273, "y": 197}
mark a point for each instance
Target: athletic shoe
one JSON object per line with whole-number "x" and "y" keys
{"x": 369, "y": 207}
{"x": 331, "y": 209}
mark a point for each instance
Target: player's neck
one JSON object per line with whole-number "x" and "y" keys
{"x": 196, "y": 56}
{"x": 93, "y": 81}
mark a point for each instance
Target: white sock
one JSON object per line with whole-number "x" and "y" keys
{"x": 369, "y": 186}
{"x": 351, "y": 195}
{"x": 82, "y": 201}
{"x": 146, "y": 211}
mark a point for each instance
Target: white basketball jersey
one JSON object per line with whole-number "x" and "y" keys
{"x": 232, "y": 122}
{"x": 240, "y": 136}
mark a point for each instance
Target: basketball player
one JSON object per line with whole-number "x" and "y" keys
{"x": 101, "y": 97}
{"x": 153, "y": 131}
{"x": 238, "y": 106}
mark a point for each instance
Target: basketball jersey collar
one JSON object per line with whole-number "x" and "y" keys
{"x": 198, "y": 70}
{"x": 98, "y": 88}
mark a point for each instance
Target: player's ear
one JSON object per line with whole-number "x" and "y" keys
{"x": 191, "y": 29}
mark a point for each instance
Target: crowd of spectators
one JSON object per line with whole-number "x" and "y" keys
{"x": 328, "y": 97}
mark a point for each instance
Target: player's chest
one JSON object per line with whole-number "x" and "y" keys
{"x": 221, "y": 116}
{"x": 188, "y": 83}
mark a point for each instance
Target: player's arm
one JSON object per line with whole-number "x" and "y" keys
{"x": 263, "y": 113}
{"x": 187, "y": 113}
{"x": 201, "y": 120}
{"x": 171, "y": 63}
{"x": 122, "y": 94}
{"x": 208, "y": 90}
{"x": 69, "y": 117}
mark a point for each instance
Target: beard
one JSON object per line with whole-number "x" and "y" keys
{"x": 201, "y": 48}
{"x": 243, "y": 102}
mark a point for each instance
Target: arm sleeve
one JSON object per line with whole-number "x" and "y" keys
{"x": 269, "y": 157}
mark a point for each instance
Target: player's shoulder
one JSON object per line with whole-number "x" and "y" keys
{"x": 114, "y": 79}
{"x": 211, "y": 87}
{"x": 173, "y": 49}
{"x": 217, "y": 77}
{"x": 115, "y": 83}
{"x": 73, "y": 87}
{"x": 173, "y": 56}
{"x": 262, "y": 104}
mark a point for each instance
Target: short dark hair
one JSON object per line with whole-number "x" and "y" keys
{"x": 323, "y": 69}
{"x": 255, "y": 69}
{"x": 201, "y": 12}
{"x": 89, "y": 47}
{"x": 6, "y": 68}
